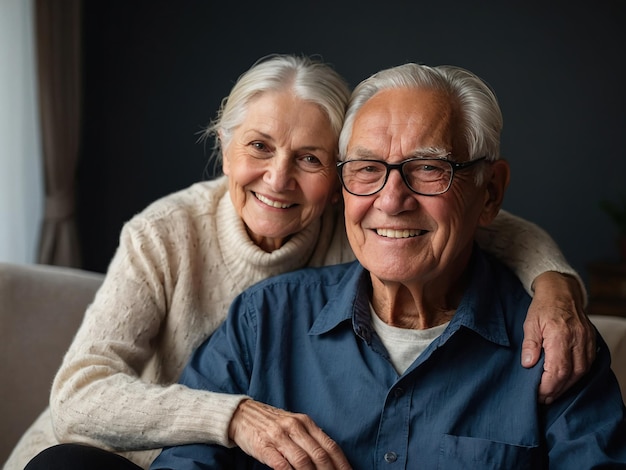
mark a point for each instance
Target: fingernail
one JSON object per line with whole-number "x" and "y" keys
{"x": 527, "y": 359}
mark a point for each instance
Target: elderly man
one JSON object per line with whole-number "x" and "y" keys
{"x": 409, "y": 358}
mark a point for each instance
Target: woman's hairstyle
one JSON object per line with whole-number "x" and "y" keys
{"x": 480, "y": 112}
{"x": 308, "y": 79}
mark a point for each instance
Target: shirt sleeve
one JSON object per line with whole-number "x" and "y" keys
{"x": 223, "y": 363}
{"x": 586, "y": 428}
{"x": 525, "y": 248}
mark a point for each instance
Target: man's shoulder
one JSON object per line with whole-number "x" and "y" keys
{"x": 498, "y": 289}
{"x": 307, "y": 292}
{"x": 502, "y": 278}
{"x": 325, "y": 275}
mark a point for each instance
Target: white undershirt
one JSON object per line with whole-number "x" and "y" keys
{"x": 404, "y": 345}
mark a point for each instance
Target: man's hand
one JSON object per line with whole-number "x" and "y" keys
{"x": 283, "y": 440}
{"x": 557, "y": 322}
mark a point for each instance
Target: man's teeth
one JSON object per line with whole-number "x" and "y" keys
{"x": 391, "y": 233}
{"x": 269, "y": 202}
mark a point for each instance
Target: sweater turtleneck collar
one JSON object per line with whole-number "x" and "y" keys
{"x": 245, "y": 260}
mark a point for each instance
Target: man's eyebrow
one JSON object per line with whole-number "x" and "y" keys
{"x": 362, "y": 152}
{"x": 434, "y": 152}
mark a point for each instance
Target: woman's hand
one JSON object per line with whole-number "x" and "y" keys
{"x": 557, "y": 322}
{"x": 283, "y": 440}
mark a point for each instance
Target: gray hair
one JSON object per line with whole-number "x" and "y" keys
{"x": 307, "y": 78}
{"x": 480, "y": 112}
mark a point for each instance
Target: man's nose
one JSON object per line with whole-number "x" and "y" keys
{"x": 396, "y": 197}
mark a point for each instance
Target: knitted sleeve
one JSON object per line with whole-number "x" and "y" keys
{"x": 115, "y": 388}
{"x": 525, "y": 248}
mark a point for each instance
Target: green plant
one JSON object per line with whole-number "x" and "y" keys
{"x": 617, "y": 213}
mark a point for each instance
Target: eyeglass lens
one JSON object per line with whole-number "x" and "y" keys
{"x": 424, "y": 176}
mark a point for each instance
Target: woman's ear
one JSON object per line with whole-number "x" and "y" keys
{"x": 495, "y": 187}
{"x": 225, "y": 159}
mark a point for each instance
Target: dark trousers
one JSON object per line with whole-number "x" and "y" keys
{"x": 79, "y": 457}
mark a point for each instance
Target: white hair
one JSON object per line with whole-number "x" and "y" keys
{"x": 308, "y": 79}
{"x": 480, "y": 112}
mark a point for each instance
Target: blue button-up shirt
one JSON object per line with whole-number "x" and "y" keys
{"x": 303, "y": 342}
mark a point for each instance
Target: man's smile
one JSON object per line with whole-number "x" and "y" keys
{"x": 404, "y": 233}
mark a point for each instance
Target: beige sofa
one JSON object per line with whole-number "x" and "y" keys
{"x": 41, "y": 308}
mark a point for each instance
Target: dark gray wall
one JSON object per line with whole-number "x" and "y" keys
{"x": 155, "y": 72}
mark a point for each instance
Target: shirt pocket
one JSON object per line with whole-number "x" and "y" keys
{"x": 459, "y": 452}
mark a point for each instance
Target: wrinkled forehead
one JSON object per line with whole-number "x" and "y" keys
{"x": 401, "y": 122}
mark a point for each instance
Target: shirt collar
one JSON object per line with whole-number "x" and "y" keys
{"x": 480, "y": 309}
{"x": 351, "y": 301}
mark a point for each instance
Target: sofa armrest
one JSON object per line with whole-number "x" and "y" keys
{"x": 41, "y": 308}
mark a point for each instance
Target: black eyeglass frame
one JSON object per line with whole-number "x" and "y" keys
{"x": 456, "y": 166}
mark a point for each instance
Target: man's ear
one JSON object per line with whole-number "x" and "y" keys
{"x": 495, "y": 187}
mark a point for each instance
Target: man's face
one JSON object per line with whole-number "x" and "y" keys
{"x": 400, "y": 236}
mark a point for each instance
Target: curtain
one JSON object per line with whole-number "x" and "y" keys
{"x": 58, "y": 40}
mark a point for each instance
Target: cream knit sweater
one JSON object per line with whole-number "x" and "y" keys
{"x": 179, "y": 265}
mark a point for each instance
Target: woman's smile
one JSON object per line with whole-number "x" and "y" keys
{"x": 272, "y": 202}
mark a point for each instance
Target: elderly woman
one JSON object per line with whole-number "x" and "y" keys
{"x": 408, "y": 358}
{"x": 181, "y": 262}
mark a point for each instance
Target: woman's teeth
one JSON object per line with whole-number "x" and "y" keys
{"x": 391, "y": 233}
{"x": 271, "y": 203}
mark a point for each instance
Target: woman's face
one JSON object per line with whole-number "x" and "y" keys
{"x": 281, "y": 167}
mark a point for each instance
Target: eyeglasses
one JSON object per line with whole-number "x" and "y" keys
{"x": 425, "y": 176}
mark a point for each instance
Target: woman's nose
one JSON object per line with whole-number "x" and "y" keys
{"x": 279, "y": 175}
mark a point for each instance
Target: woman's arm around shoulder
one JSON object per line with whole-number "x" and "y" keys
{"x": 556, "y": 319}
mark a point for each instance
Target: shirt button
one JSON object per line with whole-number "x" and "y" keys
{"x": 398, "y": 392}
{"x": 391, "y": 457}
